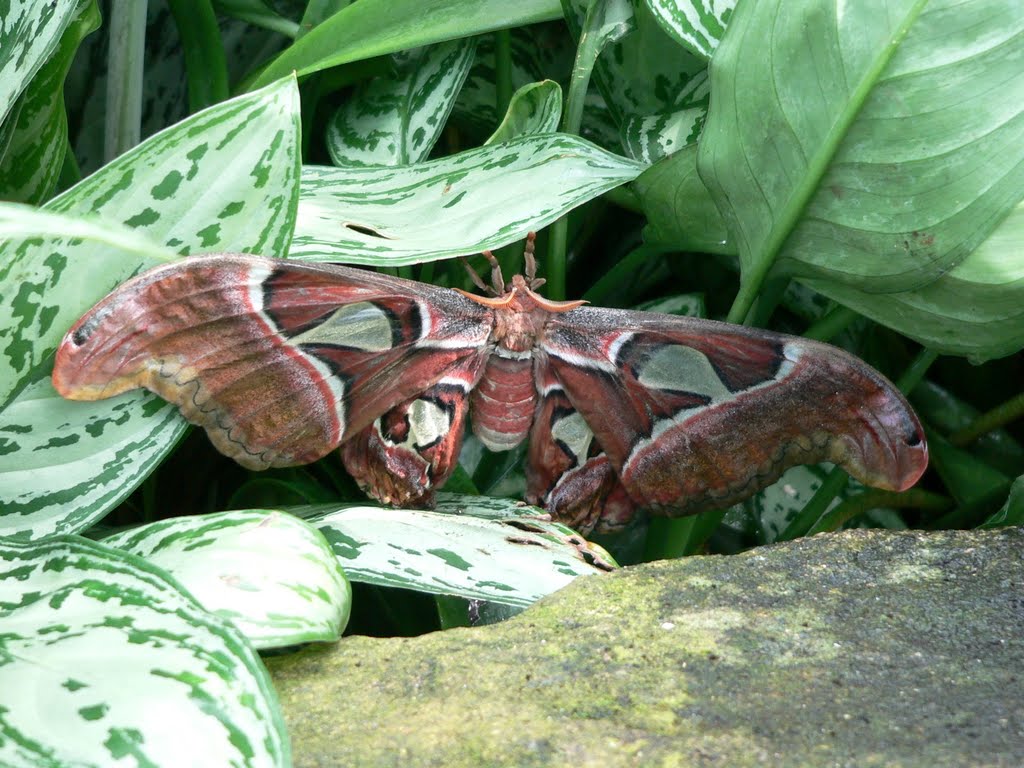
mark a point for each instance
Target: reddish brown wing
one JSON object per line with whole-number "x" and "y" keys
{"x": 567, "y": 471}
{"x": 279, "y": 361}
{"x": 695, "y": 414}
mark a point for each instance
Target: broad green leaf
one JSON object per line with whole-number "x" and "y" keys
{"x": 32, "y": 163}
{"x": 511, "y": 560}
{"x": 679, "y": 208}
{"x": 106, "y": 660}
{"x": 1012, "y": 512}
{"x": 396, "y": 120}
{"x": 478, "y": 199}
{"x": 976, "y": 309}
{"x": 378, "y": 27}
{"x": 535, "y": 108}
{"x": 225, "y": 179}
{"x": 268, "y": 573}
{"x": 29, "y": 35}
{"x": 871, "y": 144}
{"x": 697, "y": 24}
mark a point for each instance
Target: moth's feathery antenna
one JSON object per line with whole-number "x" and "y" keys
{"x": 530, "y": 261}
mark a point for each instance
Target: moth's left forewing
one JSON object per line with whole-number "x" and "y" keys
{"x": 279, "y": 361}
{"x": 696, "y": 414}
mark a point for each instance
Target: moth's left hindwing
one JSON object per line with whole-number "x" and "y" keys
{"x": 279, "y": 361}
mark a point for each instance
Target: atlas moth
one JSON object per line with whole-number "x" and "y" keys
{"x": 282, "y": 362}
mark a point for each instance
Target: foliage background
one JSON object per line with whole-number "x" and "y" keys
{"x": 839, "y": 172}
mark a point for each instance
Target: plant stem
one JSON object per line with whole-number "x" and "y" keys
{"x": 847, "y": 510}
{"x": 124, "y": 77}
{"x": 999, "y": 416}
{"x": 913, "y": 375}
{"x": 502, "y": 71}
{"x": 205, "y": 65}
{"x": 834, "y": 322}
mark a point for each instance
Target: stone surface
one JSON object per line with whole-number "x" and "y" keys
{"x": 858, "y": 649}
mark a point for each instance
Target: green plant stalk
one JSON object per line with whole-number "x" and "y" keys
{"x": 916, "y": 371}
{"x": 502, "y": 71}
{"x": 848, "y": 509}
{"x": 265, "y": 19}
{"x": 123, "y": 127}
{"x": 831, "y": 487}
{"x": 1000, "y": 416}
{"x": 668, "y": 538}
{"x": 626, "y": 198}
{"x": 767, "y": 300}
{"x": 586, "y": 55}
{"x": 704, "y": 525}
{"x": 966, "y": 515}
{"x": 834, "y": 322}
{"x": 205, "y": 65}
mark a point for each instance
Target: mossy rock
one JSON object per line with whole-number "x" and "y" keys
{"x": 865, "y": 648}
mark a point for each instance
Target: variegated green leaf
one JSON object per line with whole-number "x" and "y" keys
{"x": 30, "y": 32}
{"x": 689, "y": 304}
{"x": 165, "y": 86}
{"x": 697, "y": 24}
{"x": 225, "y": 179}
{"x": 105, "y": 660}
{"x": 47, "y": 469}
{"x": 646, "y": 57}
{"x": 23, "y": 222}
{"x": 30, "y": 167}
{"x": 482, "y": 198}
{"x": 486, "y": 507}
{"x": 268, "y": 573}
{"x": 396, "y": 120}
{"x": 650, "y": 138}
{"x": 878, "y": 163}
{"x": 534, "y": 108}
{"x": 63, "y": 465}
{"x": 774, "y": 508}
{"x": 511, "y": 560}
{"x": 536, "y": 52}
